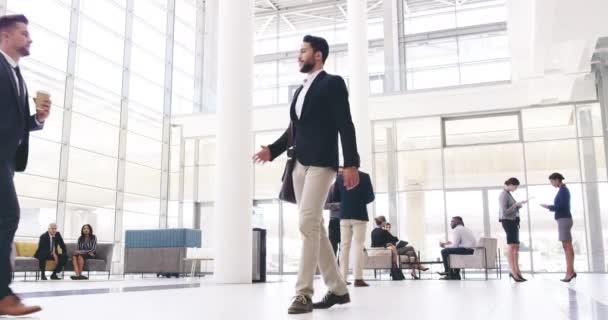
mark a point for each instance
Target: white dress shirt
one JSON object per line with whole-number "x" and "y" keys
{"x": 302, "y": 95}
{"x": 463, "y": 237}
{"x": 14, "y": 65}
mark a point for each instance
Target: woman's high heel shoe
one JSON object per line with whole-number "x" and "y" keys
{"x": 414, "y": 276}
{"x": 521, "y": 277}
{"x": 515, "y": 279}
{"x": 569, "y": 279}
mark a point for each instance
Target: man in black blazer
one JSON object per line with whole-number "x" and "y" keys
{"x": 319, "y": 112}
{"x": 47, "y": 250}
{"x": 15, "y": 125}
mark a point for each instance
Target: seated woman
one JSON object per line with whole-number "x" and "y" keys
{"x": 87, "y": 247}
{"x": 382, "y": 238}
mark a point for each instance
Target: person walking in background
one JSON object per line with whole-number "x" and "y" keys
{"x": 353, "y": 222}
{"x": 333, "y": 228}
{"x": 319, "y": 113}
{"x": 509, "y": 218}
{"x": 87, "y": 248}
{"x": 563, "y": 216}
{"x": 15, "y": 126}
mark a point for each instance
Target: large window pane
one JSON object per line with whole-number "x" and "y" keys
{"x": 102, "y": 221}
{"x": 383, "y": 131}
{"x": 97, "y": 70}
{"x": 469, "y": 206}
{"x": 142, "y": 180}
{"x": 35, "y": 216}
{"x": 106, "y": 12}
{"x": 422, "y": 221}
{"x": 141, "y": 204}
{"x": 478, "y": 72}
{"x": 433, "y": 78}
{"x": 547, "y": 251}
{"x": 483, "y": 165}
{"x": 266, "y": 216}
{"x": 99, "y": 39}
{"x": 593, "y": 159}
{"x": 419, "y": 133}
{"x": 543, "y": 158}
{"x": 91, "y": 168}
{"x": 91, "y": 196}
{"x": 139, "y": 221}
{"x": 43, "y": 158}
{"x": 99, "y": 104}
{"x": 35, "y": 186}
{"x": 143, "y": 150}
{"x": 432, "y": 53}
{"x": 51, "y": 15}
{"x": 420, "y": 170}
{"x": 477, "y": 130}
{"x": 90, "y": 134}
{"x": 548, "y": 123}
{"x": 206, "y": 183}
{"x": 380, "y": 172}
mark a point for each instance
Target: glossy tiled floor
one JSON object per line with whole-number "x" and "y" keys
{"x": 543, "y": 298}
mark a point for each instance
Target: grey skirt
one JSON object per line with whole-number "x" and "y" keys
{"x": 564, "y": 228}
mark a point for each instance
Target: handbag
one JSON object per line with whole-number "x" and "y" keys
{"x": 287, "y": 193}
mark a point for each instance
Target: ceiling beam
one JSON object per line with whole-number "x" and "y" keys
{"x": 343, "y": 11}
{"x": 449, "y": 3}
{"x": 272, "y": 5}
{"x": 316, "y": 16}
{"x": 374, "y": 6}
{"x": 265, "y": 26}
{"x": 288, "y": 22}
{"x": 303, "y": 7}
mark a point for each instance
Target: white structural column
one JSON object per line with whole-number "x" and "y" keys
{"x": 359, "y": 78}
{"x": 233, "y": 194}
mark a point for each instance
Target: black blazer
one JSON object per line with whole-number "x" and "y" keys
{"x": 353, "y": 203}
{"x": 325, "y": 113}
{"x": 381, "y": 238}
{"x": 15, "y": 119}
{"x": 44, "y": 245}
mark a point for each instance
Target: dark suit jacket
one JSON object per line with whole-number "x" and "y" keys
{"x": 325, "y": 113}
{"x": 381, "y": 238}
{"x": 353, "y": 202}
{"x": 44, "y": 245}
{"x": 15, "y": 119}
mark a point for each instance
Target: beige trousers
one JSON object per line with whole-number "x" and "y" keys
{"x": 352, "y": 231}
{"x": 311, "y": 185}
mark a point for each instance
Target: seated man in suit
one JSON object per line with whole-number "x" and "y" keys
{"x": 47, "y": 250}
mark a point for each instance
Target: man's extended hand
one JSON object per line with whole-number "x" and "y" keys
{"x": 263, "y": 155}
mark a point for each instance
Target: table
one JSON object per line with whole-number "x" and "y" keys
{"x": 194, "y": 260}
{"x": 408, "y": 265}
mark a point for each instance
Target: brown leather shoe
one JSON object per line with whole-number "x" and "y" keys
{"x": 361, "y": 283}
{"x": 12, "y": 306}
{"x": 301, "y": 304}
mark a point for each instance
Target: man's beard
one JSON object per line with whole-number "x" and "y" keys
{"x": 24, "y": 52}
{"x": 307, "y": 67}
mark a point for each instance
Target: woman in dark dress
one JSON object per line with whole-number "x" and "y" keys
{"x": 87, "y": 247}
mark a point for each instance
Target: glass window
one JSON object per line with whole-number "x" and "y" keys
{"x": 482, "y": 14}
{"x": 189, "y": 184}
{"x": 97, "y": 70}
{"x": 50, "y": 15}
{"x": 543, "y": 158}
{"x": 147, "y": 94}
{"x": 422, "y": 221}
{"x": 429, "y": 22}
{"x": 139, "y": 221}
{"x": 149, "y": 25}
{"x": 149, "y": 65}
{"x": 35, "y": 186}
{"x": 483, "y": 165}
{"x": 142, "y": 180}
{"x": 381, "y": 172}
{"x": 469, "y": 206}
{"x": 266, "y": 216}
{"x": 109, "y": 13}
{"x": 145, "y": 123}
{"x": 207, "y": 225}
{"x": 141, "y": 204}
{"x": 40, "y": 77}
{"x": 478, "y": 130}
{"x": 420, "y": 170}
{"x": 90, "y": 196}
{"x": 36, "y": 215}
{"x": 484, "y": 46}
{"x": 43, "y": 158}
{"x": 101, "y": 40}
{"x": 433, "y": 78}
{"x": 381, "y": 135}
{"x": 48, "y": 48}
{"x": 143, "y": 150}
{"x": 90, "y": 134}
{"x": 92, "y": 168}
{"x": 547, "y": 251}
{"x": 419, "y": 133}
{"x": 478, "y": 72}
{"x": 53, "y": 127}
{"x": 98, "y": 104}
{"x": 207, "y": 151}
{"x": 102, "y": 221}
{"x": 549, "y": 123}
{"x": 206, "y": 183}
{"x": 431, "y": 53}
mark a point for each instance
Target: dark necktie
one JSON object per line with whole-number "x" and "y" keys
{"x": 52, "y": 245}
{"x": 20, "y": 84}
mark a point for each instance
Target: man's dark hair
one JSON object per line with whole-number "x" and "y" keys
{"x": 10, "y": 21}
{"x": 512, "y": 182}
{"x": 318, "y": 44}
{"x": 460, "y": 221}
{"x": 557, "y": 176}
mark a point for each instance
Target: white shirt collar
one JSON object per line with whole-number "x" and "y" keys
{"x": 9, "y": 59}
{"x": 311, "y": 77}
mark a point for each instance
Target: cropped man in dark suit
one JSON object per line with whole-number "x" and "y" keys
{"x": 15, "y": 125}
{"x": 319, "y": 112}
{"x": 47, "y": 250}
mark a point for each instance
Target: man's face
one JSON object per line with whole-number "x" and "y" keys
{"x": 18, "y": 39}
{"x": 306, "y": 59}
{"x": 454, "y": 223}
{"x": 53, "y": 229}
{"x": 388, "y": 227}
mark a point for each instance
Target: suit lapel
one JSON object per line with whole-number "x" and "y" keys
{"x": 313, "y": 89}
{"x": 11, "y": 78}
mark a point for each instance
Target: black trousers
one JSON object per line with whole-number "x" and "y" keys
{"x": 333, "y": 233}
{"x": 445, "y": 255}
{"x": 62, "y": 259}
{"x": 9, "y": 220}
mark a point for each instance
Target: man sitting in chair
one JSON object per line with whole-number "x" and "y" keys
{"x": 47, "y": 250}
{"x": 463, "y": 242}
